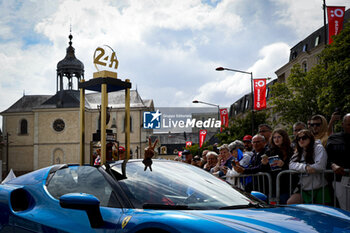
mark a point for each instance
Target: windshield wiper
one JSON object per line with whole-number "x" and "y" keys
{"x": 250, "y": 205}
{"x": 165, "y": 207}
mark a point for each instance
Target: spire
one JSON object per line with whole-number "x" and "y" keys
{"x": 70, "y": 35}
{"x": 69, "y": 68}
{"x": 70, "y": 39}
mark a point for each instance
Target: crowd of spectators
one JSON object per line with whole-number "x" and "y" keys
{"x": 312, "y": 149}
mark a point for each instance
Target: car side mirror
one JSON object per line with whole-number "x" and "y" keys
{"x": 259, "y": 195}
{"x": 86, "y": 202}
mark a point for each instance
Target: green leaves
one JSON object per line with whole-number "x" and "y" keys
{"x": 241, "y": 126}
{"x": 321, "y": 90}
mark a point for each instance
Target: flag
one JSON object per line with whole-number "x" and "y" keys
{"x": 259, "y": 94}
{"x": 202, "y": 135}
{"x": 188, "y": 144}
{"x": 335, "y": 21}
{"x": 223, "y": 117}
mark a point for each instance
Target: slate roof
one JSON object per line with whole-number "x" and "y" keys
{"x": 63, "y": 99}
{"x": 309, "y": 42}
{"x": 71, "y": 99}
{"x": 27, "y": 103}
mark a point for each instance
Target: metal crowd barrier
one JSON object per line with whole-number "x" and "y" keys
{"x": 257, "y": 184}
{"x": 331, "y": 184}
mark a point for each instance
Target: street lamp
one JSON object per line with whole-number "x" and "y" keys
{"x": 201, "y": 102}
{"x": 251, "y": 89}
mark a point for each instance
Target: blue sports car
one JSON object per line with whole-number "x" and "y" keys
{"x": 126, "y": 197}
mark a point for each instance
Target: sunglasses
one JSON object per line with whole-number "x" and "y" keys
{"x": 302, "y": 138}
{"x": 315, "y": 124}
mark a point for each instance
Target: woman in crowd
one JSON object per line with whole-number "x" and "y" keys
{"x": 319, "y": 128}
{"x": 212, "y": 160}
{"x": 280, "y": 154}
{"x": 310, "y": 158}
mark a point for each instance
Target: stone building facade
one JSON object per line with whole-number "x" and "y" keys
{"x": 44, "y": 129}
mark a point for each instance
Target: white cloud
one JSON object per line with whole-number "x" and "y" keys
{"x": 169, "y": 49}
{"x": 304, "y": 16}
{"x": 235, "y": 85}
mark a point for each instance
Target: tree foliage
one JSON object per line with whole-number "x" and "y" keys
{"x": 239, "y": 127}
{"x": 323, "y": 89}
{"x": 196, "y": 150}
{"x": 336, "y": 91}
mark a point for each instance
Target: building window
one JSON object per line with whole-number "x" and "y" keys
{"x": 130, "y": 124}
{"x": 305, "y": 48}
{"x": 58, "y": 125}
{"x": 246, "y": 104}
{"x": 24, "y": 127}
{"x": 317, "y": 41}
{"x": 267, "y": 94}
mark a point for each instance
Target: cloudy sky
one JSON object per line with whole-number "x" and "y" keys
{"x": 169, "y": 49}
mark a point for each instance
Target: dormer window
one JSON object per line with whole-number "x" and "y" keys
{"x": 305, "y": 48}
{"x": 317, "y": 41}
{"x": 246, "y": 104}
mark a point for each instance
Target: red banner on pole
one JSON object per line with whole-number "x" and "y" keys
{"x": 202, "y": 135}
{"x": 259, "y": 94}
{"x": 223, "y": 117}
{"x": 335, "y": 21}
{"x": 188, "y": 144}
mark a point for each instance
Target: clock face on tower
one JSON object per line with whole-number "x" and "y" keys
{"x": 58, "y": 125}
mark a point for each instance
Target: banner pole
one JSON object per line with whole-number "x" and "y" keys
{"x": 325, "y": 23}
{"x": 251, "y": 89}
{"x": 104, "y": 105}
{"x": 82, "y": 125}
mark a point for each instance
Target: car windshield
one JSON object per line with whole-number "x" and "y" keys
{"x": 177, "y": 185}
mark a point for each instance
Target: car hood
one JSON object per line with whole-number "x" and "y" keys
{"x": 302, "y": 218}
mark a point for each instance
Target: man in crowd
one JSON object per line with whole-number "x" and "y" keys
{"x": 187, "y": 156}
{"x": 266, "y": 131}
{"x": 260, "y": 149}
{"x": 196, "y": 161}
{"x": 338, "y": 149}
{"x": 247, "y": 141}
{"x": 335, "y": 117}
{"x": 204, "y": 158}
{"x": 296, "y": 128}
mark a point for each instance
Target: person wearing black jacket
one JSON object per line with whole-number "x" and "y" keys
{"x": 260, "y": 148}
{"x": 338, "y": 150}
{"x": 280, "y": 154}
